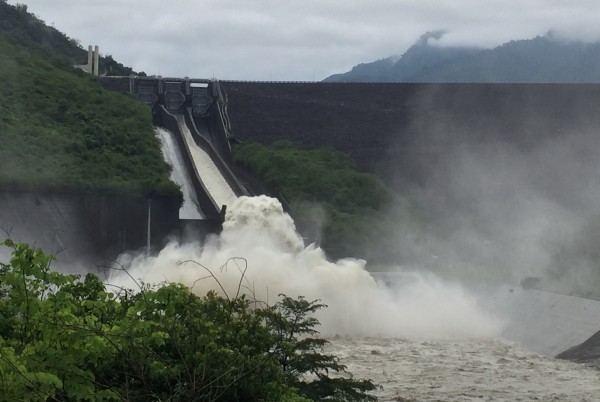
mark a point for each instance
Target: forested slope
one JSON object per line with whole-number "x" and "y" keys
{"x": 349, "y": 212}
{"x": 61, "y": 131}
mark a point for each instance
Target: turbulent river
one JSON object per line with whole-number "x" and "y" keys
{"x": 393, "y": 335}
{"x": 465, "y": 370}
{"x": 390, "y": 334}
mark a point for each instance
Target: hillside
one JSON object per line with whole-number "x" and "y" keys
{"x": 60, "y": 131}
{"x": 349, "y": 213}
{"x": 26, "y": 30}
{"x": 539, "y": 60}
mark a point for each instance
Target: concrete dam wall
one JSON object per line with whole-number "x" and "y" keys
{"x": 86, "y": 230}
{"x": 399, "y": 131}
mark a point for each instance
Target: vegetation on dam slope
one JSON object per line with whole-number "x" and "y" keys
{"x": 60, "y": 131}
{"x": 358, "y": 216}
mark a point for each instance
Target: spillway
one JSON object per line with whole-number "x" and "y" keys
{"x": 190, "y": 209}
{"x": 209, "y": 173}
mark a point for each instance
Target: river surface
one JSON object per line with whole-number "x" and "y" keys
{"x": 465, "y": 370}
{"x": 391, "y": 332}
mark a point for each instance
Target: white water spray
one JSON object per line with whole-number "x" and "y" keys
{"x": 273, "y": 260}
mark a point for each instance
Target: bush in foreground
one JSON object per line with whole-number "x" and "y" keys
{"x": 66, "y": 338}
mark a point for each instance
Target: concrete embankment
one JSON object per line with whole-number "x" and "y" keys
{"x": 544, "y": 322}
{"x": 86, "y": 230}
{"x": 51, "y": 222}
{"x": 587, "y": 352}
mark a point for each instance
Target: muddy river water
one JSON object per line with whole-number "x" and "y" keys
{"x": 464, "y": 370}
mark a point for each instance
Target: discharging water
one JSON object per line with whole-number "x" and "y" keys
{"x": 172, "y": 154}
{"x": 463, "y": 370}
{"x": 209, "y": 173}
{"x": 397, "y": 335}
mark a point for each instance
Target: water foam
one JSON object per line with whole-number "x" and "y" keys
{"x": 272, "y": 257}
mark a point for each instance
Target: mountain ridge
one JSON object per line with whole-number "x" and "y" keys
{"x": 543, "y": 59}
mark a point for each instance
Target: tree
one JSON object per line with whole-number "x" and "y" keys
{"x": 301, "y": 358}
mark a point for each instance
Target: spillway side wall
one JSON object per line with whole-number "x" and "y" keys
{"x": 215, "y": 156}
{"x": 88, "y": 227}
{"x": 207, "y": 204}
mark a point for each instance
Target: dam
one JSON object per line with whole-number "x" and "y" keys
{"x": 88, "y": 231}
{"x": 386, "y": 129}
{"x": 401, "y": 131}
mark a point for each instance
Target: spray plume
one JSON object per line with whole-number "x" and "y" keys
{"x": 260, "y": 253}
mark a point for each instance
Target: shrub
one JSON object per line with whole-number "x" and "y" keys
{"x": 358, "y": 215}
{"x": 67, "y": 338}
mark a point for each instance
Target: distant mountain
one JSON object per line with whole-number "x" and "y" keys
{"x": 543, "y": 59}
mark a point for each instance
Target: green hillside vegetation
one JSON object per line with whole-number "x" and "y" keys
{"x": 357, "y": 214}
{"x": 64, "y": 338}
{"x": 61, "y": 131}
{"x": 22, "y": 28}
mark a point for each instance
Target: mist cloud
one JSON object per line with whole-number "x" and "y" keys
{"x": 509, "y": 212}
{"x": 272, "y": 259}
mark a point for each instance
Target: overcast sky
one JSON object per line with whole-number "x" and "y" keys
{"x": 298, "y": 39}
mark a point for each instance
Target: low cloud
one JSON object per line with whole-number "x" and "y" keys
{"x": 309, "y": 40}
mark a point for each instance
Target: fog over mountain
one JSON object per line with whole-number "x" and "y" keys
{"x": 543, "y": 59}
{"x": 299, "y": 40}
